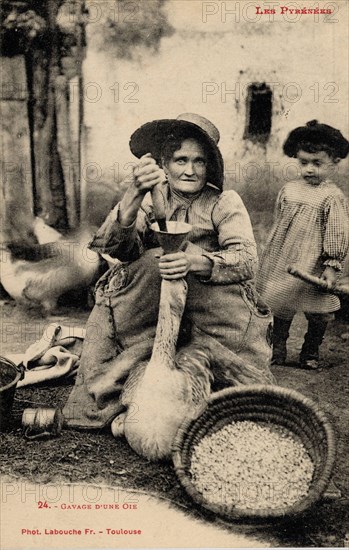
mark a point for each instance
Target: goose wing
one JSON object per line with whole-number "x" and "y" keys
{"x": 194, "y": 362}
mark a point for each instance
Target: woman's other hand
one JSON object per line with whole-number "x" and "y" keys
{"x": 179, "y": 264}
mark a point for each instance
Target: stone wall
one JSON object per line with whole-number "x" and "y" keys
{"x": 216, "y": 50}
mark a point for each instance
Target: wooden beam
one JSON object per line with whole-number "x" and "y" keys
{"x": 65, "y": 150}
{"x": 16, "y": 177}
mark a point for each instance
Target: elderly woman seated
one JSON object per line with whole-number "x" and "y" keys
{"x": 223, "y": 313}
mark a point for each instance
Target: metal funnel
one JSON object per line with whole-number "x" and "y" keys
{"x": 172, "y": 239}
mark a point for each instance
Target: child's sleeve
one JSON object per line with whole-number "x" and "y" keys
{"x": 279, "y": 203}
{"x": 336, "y": 237}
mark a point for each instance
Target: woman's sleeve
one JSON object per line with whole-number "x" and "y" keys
{"x": 236, "y": 261}
{"x": 336, "y": 238}
{"x": 124, "y": 243}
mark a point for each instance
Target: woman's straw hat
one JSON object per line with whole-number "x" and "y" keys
{"x": 150, "y": 138}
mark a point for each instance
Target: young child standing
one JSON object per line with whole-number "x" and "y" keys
{"x": 311, "y": 230}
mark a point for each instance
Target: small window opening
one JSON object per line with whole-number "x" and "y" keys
{"x": 258, "y": 113}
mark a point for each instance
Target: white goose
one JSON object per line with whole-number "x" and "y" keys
{"x": 160, "y": 394}
{"x": 37, "y": 274}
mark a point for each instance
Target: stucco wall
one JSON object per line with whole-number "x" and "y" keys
{"x": 211, "y": 53}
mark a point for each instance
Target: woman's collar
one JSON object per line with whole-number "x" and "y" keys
{"x": 184, "y": 198}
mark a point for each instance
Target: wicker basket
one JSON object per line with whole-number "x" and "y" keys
{"x": 266, "y": 404}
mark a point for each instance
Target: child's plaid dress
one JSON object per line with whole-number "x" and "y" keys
{"x": 311, "y": 230}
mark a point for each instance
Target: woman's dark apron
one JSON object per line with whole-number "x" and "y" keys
{"x": 226, "y": 319}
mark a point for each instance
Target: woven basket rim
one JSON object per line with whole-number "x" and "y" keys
{"x": 308, "y": 406}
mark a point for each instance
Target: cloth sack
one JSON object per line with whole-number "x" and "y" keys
{"x": 55, "y": 355}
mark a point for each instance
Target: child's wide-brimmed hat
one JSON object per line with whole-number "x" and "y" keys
{"x": 317, "y": 134}
{"x": 150, "y": 138}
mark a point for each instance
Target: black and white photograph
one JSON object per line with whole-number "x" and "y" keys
{"x": 174, "y": 281}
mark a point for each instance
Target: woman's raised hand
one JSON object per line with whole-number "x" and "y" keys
{"x": 147, "y": 174}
